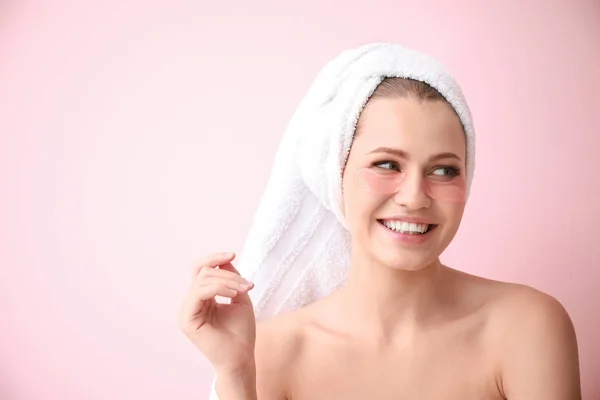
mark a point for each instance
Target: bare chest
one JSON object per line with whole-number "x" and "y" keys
{"x": 436, "y": 367}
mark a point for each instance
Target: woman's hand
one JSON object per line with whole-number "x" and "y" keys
{"x": 224, "y": 333}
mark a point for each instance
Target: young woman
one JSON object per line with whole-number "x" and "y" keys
{"x": 403, "y": 326}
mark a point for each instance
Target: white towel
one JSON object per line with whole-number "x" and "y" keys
{"x": 298, "y": 247}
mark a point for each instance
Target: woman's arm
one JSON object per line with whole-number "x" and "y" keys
{"x": 268, "y": 375}
{"x": 277, "y": 349}
{"x": 238, "y": 385}
{"x": 540, "y": 359}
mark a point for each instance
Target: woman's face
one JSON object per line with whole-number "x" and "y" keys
{"x": 405, "y": 175}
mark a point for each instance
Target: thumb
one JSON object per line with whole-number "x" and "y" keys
{"x": 242, "y": 296}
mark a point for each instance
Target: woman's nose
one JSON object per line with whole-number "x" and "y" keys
{"x": 412, "y": 193}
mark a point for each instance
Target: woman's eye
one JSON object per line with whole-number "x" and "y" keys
{"x": 390, "y": 165}
{"x": 445, "y": 171}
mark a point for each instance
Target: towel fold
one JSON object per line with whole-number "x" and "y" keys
{"x": 298, "y": 248}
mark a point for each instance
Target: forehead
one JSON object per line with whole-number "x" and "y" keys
{"x": 421, "y": 127}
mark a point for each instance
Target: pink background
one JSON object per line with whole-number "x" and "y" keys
{"x": 136, "y": 137}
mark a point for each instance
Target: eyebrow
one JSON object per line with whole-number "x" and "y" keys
{"x": 404, "y": 154}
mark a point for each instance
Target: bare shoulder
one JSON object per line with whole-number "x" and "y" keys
{"x": 278, "y": 342}
{"x": 520, "y": 306}
{"x": 523, "y": 307}
{"x": 535, "y": 342}
{"x": 529, "y": 314}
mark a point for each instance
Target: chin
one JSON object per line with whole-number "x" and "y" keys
{"x": 407, "y": 261}
{"x": 405, "y": 254}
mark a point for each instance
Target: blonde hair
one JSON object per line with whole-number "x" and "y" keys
{"x": 404, "y": 87}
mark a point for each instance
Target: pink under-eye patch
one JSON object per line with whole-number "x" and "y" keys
{"x": 452, "y": 189}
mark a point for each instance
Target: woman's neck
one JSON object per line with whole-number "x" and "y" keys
{"x": 386, "y": 304}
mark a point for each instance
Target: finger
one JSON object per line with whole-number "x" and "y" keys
{"x": 212, "y": 261}
{"x": 230, "y": 283}
{"x": 242, "y": 297}
{"x": 229, "y": 267}
{"x": 197, "y": 299}
{"x": 246, "y": 284}
{"x": 223, "y": 273}
{"x": 209, "y": 292}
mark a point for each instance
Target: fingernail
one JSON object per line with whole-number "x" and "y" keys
{"x": 246, "y": 285}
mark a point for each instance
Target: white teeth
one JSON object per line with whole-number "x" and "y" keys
{"x": 405, "y": 227}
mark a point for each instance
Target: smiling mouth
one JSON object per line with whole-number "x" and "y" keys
{"x": 407, "y": 228}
